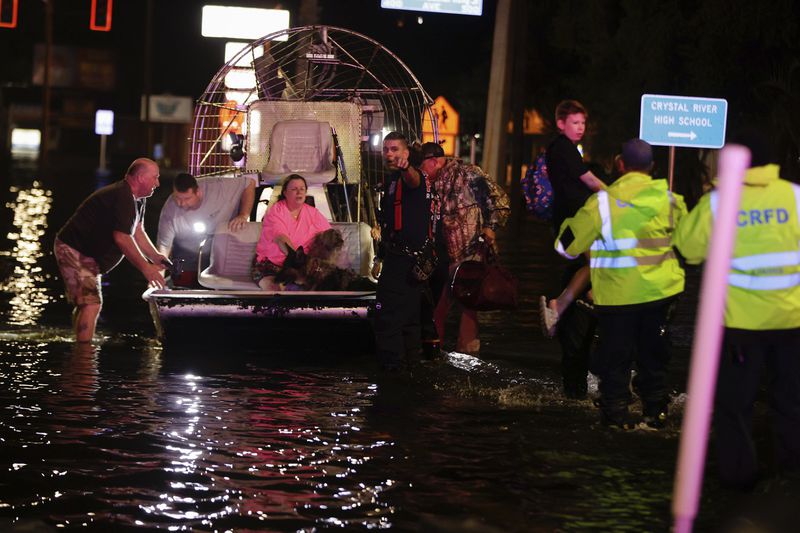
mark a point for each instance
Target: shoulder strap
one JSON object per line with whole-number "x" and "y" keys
{"x": 398, "y": 204}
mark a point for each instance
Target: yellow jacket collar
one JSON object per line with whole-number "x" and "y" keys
{"x": 763, "y": 175}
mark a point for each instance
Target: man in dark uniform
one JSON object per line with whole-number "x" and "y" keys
{"x": 405, "y": 225}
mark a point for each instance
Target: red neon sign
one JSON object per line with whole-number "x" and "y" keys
{"x": 93, "y": 24}
{"x": 13, "y": 22}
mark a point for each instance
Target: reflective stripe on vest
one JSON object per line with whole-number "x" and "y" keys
{"x": 608, "y": 243}
{"x": 714, "y": 201}
{"x": 630, "y": 262}
{"x": 796, "y": 190}
{"x": 777, "y": 259}
{"x": 760, "y": 261}
{"x": 764, "y": 283}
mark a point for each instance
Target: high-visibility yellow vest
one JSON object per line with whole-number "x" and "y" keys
{"x": 764, "y": 279}
{"x": 628, "y": 230}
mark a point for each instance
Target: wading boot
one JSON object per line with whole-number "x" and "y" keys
{"x": 431, "y": 350}
{"x": 575, "y": 391}
{"x": 621, "y": 419}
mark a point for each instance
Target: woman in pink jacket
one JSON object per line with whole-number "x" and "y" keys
{"x": 290, "y": 223}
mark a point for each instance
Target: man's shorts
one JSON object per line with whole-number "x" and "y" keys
{"x": 81, "y": 275}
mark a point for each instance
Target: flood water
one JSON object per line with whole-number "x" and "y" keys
{"x": 129, "y": 435}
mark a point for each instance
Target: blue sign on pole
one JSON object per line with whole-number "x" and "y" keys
{"x": 683, "y": 121}
{"x": 455, "y": 7}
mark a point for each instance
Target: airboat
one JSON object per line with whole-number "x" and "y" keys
{"x": 312, "y": 100}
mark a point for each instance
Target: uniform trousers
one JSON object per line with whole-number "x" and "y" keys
{"x": 635, "y": 334}
{"x": 745, "y": 356}
{"x": 575, "y": 333}
{"x": 397, "y": 312}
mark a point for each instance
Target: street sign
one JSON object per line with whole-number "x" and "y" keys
{"x": 455, "y": 7}
{"x": 104, "y": 122}
{"x": 168, "y": 108}
{"x": 685, "y": 121}
{"x": 447, "y": 125}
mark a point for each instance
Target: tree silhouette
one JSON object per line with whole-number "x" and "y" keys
{"x": 608, "y": 53}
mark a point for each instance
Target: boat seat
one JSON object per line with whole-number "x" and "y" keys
{"x": 302, "y": 147}
{"x": 231, "y": 259}
{"x": 232, "y": 255}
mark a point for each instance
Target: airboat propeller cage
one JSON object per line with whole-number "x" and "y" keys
{"x": 278, "y": 103}
{"x": 294, "y": 91}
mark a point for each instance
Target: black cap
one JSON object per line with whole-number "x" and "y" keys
{"x": 637, "y": 154}
{"x": 431, "y": 150}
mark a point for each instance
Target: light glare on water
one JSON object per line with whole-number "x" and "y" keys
{"x": 26, "y": 282}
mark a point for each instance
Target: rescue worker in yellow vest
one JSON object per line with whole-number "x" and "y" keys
{"x": 635, "y": 278}
{"x": 762, "y": 314}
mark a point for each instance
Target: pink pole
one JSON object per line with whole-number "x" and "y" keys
{"x": 734, "y": 161}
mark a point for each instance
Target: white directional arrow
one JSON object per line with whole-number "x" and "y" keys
{"x": 691, "y": 135}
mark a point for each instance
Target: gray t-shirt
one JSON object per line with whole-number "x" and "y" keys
{"x": 183, "y": 229}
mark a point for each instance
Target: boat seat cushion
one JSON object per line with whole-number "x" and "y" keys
{"x": 302, "y": 147}
{"x": 232, "y": 259}
{"x": 232, "y": 255}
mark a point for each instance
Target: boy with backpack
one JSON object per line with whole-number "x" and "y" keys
{"x": 572, "y": 183}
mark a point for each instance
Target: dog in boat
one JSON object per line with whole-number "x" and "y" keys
{"x": 315, "y": 269}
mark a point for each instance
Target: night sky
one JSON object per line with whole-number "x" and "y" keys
{"x": 441, "y": 51}
{"x": 605, "y": 53}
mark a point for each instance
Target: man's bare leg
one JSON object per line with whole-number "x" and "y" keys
{"x": 84, "y": 319}
{"x": 576, "y": 286}
{"x": 550, "y": 311}
{"x": 468, "y": 341}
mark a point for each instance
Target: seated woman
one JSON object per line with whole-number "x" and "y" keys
{"x": 289, "y": 224}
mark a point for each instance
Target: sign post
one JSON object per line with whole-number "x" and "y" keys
{"x": 686, "y": 121}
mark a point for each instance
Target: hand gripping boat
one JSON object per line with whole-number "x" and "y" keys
{"x": 314, "y": 101}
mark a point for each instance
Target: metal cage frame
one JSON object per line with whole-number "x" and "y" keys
{"x": 310, "y": 64}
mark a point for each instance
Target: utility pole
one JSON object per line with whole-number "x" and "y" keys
{"x": 308, "y": 14}
{"x": 48, "y": 50}
{"x": 148, "y": 74}
{"x": 494, "y": 148}
{"x": 520, "y": 59}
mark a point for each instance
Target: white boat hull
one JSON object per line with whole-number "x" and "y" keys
{"x": 203, "y": 313}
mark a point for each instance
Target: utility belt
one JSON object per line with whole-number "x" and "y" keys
{"x": 425, "y": 258}
{"x": 396, "y": 248}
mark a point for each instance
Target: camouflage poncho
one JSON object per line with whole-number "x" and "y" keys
{"x": 469, "y": 201}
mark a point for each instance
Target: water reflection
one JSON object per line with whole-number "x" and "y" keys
{"x": 26, "y": 283}
{"x": 285, "y": 452}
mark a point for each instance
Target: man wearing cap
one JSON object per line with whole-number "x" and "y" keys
{"x": 635, "y": 278}
{"x": 472, "y": 207}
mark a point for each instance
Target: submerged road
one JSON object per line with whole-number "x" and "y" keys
{"x": 130, "y": 435}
